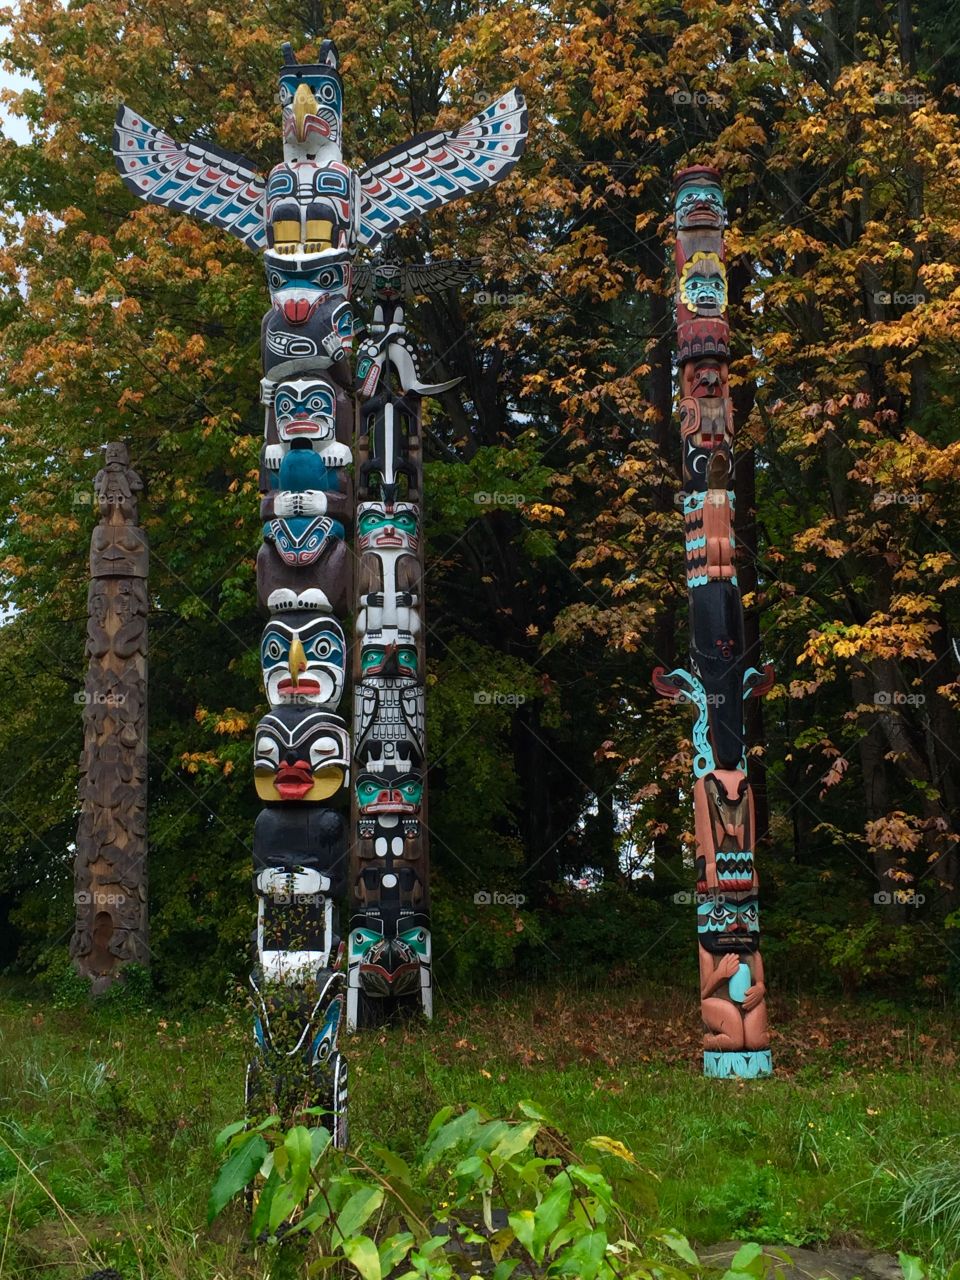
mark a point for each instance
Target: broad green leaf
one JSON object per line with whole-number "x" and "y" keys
{"x": 523, "y": 1224}
{"x": 517, "y": 1140}
{"x": 505, "y": 1269}
{"x": 364, "y": 1255}
{"x": 450, "y": 1135}
{"x": 298, "y": 1148}
{"x": 394, "y": 1250}
{"x": 748, "y": 1258}
{"x": 584, "y": 1258}
{"x": 223, "y": 1137}
{"x": 358, "y": 1209}
{"x": 242, "y": 1166}
{"x": 911, "y": 1267}
{"x": 680, "y": 1246}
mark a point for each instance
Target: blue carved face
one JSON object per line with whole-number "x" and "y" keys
{"x": 312, "y": 277}
{"x": 699, "y": 204}
{"x": 305, "y": 409}
{"x": 301, "y": 540}
{"x": 303, "y": 659}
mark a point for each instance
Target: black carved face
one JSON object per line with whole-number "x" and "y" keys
{"x": 300, "y": 755}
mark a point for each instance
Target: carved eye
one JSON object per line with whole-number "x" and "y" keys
{"x": 275, "y": 280}
{"x": 285, "y": 404}
{"x": 327, "y": 279}
{"x": 367, "y": 792}
{"x": 318, "y": 404}
{"x": 267, "y": 751}
{"x": 273, "y": 650}
{"x": 284, "y": 95}
{"x": 322, "y": 749}
{"x": 322, "y": 647}
{"x": 328, "y": 93}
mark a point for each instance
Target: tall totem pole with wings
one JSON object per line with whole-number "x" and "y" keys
{"x": 308, "y": 218}
{"x": 732, "y": 988}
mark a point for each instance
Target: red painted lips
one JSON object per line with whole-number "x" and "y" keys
{"x": 293, "y": 781}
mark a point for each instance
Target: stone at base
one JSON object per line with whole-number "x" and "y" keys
{"x": 747, "y": 1065}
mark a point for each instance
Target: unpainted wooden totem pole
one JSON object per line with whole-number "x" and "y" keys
{"x": 389, "y": 951}
{"x": 732, "y": 986}
{"x": 110, "y": 868}
{"x": 309, "y": 217}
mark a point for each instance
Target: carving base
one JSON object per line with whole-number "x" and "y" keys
{"x": 743, "y": 1065}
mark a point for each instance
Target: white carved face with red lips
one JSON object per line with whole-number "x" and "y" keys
{"x": 303, "y": 659}
{"x": 300, "y": 755}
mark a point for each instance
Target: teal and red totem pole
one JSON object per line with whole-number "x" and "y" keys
{"x": 309, "y": 218}
{"x": 732, "y": 985}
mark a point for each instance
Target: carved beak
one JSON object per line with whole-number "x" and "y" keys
{"x": 304, "y": 104}
{"x": 297, "y": 661}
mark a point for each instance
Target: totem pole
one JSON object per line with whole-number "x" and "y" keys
{"x": 389, "y": 956}
{"x": 110, "y": 870}
{"x": 732, "y": 988}
{"x": 309, "y": 217}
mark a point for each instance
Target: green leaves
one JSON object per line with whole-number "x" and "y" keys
{"x": 238, "y": 1171}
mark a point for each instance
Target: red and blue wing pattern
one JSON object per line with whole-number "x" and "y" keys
{"x": 193, "y": 177}
{"x": 434, "y": 168}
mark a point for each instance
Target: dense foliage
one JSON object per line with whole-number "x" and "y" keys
{"x": 554, "y": 580}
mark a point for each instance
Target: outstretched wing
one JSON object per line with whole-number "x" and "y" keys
{"x": 193, "y": 177}
{"x": 419, "y": 277}
{"x": 435, "y": 168}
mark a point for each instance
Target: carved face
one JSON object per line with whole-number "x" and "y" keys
{"x": 397, "y": 660}
{"x": 703, "y": 284}
{"x": 301, "y": 540}
{"x": 300, "y": 755}
{"x": 699, "y": 203}
{"x": 298, "y": 284}
{"x": 310, "y": 209}
{"x": 311, "y": 102}
{"x": 303, "y": 660}
{"x": 388, "y": 528}
{"x": 389, "y": 791}
{"x": 728, "y": 922}
{"x": 305, "y": 409}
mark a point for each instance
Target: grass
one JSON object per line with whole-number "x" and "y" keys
{"x": 107, "y": 1117}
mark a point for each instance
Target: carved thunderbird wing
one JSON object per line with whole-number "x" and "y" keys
{"x": 434, "y": 168}
{"x": 192, "y": 177}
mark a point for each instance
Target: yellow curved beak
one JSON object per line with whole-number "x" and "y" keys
{"x": 304, "y": 104}
{"x": 297, "y": 661}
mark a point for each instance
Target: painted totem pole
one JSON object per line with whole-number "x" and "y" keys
{"x": 732, "y": 988}
{"x": 110, "y": 872}
{"x": 308, "y": 218}
{"x": 389, "y": 957}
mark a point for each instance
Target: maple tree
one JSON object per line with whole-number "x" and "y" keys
{"x": 555, "y": 574}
